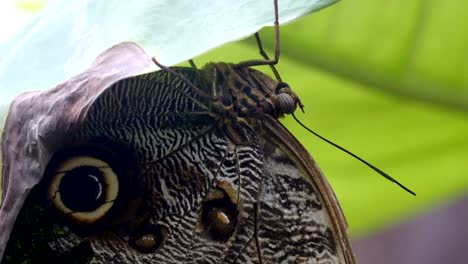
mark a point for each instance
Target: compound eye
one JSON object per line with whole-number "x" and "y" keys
{"x": 286, "y": 103}
{"x": 84, "y": 188}
{"x": 286, "y": 100}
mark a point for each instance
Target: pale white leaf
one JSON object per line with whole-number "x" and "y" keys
{"x": 66, "y": 36}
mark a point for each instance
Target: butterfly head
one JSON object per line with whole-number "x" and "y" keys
{"x": 248, "y": 93}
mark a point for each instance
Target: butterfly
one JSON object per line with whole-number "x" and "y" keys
{"x": 182, "y": 165}
{"x": 155, "y": 171}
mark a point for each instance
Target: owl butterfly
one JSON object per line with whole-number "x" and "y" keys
{"x": 174, "y": 166}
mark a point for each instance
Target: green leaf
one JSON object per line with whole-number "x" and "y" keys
{"x": 414, "y": 49}
{"x": 423, "y": 146}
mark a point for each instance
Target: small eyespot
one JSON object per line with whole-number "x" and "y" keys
{"x": 219, "y": 218}
{"x": 149, "y": 239}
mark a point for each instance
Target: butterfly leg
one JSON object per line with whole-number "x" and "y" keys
{"x": 199, "y": 91}
{"x": 260, "y": 47}
{"x": 265, "y": 56}
{"x": 192, "y": 63}
{"x": 266, "y": 60}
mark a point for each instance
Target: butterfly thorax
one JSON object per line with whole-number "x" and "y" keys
{"x": 247, "y": 95}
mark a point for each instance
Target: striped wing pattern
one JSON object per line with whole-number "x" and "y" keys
{"x": 183, "y": 153}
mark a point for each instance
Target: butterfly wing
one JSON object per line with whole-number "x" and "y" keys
{"x": 176, "y": 187}
{"x": 190, "y": 187}
{"x": 298, "y": 201}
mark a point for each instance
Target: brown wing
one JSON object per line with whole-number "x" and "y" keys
{"x": 300, "y": 218}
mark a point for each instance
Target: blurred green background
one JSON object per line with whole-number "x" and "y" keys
{"x": 386, "y": 80}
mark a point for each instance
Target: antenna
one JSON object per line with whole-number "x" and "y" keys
{"x": 388, "y": 177}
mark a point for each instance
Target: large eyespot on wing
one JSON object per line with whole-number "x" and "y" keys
{"x": 87, "y": 184}
{"x": 84, "y": 187}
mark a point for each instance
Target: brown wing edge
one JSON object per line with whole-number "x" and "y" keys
{"x": 280, "y": 134}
